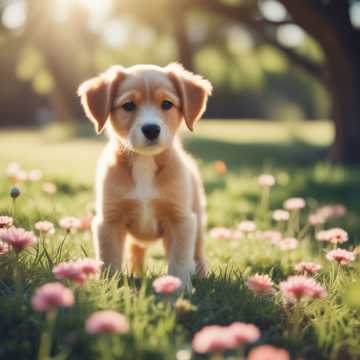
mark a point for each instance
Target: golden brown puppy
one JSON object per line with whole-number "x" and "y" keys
{"x": 147, "y": 186}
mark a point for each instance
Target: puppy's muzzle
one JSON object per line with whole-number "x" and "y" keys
{"x": 151, "y": 131}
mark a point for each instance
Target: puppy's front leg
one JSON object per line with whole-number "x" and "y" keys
{"x": 181, "y": 255}
{"x": 109, "y": 239}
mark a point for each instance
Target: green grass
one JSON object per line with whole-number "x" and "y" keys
{"x": 294, "y": 153}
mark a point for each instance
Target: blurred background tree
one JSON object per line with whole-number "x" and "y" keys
{"x": 283, "y": 60}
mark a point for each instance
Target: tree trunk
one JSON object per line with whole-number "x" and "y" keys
{"x": 344, "y": 89}
{"x": 185, "y": 53}
{"x": 329, "y": 23}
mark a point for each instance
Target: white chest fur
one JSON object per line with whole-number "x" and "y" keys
{"x": 143, "y": 174}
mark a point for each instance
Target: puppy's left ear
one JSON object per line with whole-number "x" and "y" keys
{"x": 193, "y": 91}
{"x": 97, "y": 95}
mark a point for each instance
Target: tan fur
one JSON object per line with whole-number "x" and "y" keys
{"x": 147, "y": 191}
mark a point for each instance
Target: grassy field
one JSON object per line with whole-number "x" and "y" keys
{"x": 294, "y": 153}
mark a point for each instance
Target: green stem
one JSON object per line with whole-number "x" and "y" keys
{"x": 296, "y": 322}
{"x": 105, "y": 347}
{"x": 47, "y": 336}
{"x": 14, "y": 208}
{"x": 18, "y": 284}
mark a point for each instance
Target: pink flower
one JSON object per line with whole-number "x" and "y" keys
{"x": 51, "y": 296}
{"x": 268, "y": 352}
{"x": 237, "y": 235}
{"x": 4, "y": 248}
{"x": 78, "y": 270}
{"x": 34, "y": 175}
{"x": 280, "y": 215}
{"x": 12, "y": 169}
{"x": 6, "y": 221}
{"x": 266, "y": 180}
{"x": 213, "y": 338}
{"x": 69, "y": 223}
{"x": 16, "y": 173}
{"x": 45, "y": 227}
{"x": 288, "y": 244}
{"x": 106, "y": 321}
{"x": 244, "y": 333}
{"x": 337, "y": 235}
{"x": 295, "y": 203}
{"x": 299, "y": 287}
{"x": 322, "y": 235}
{"x": 70, "y": 270}
{"x": 260, "y": 284}
{"x": 307, "y": 267}
{"x": 90, "y": 266}
{"x": 247, "y": 226}
{"x": 341, "y": 256}
{"x": 332, "y": 211}
{"x": 220, "y": 233}
{"x": 17, "y": 238}
{"x": 316, "y": 219}
{"x": 49, "y": 188}
{"x": 166, "y": 284}
{"x": 274, "y": 236}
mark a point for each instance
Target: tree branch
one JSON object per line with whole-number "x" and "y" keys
{"x": 250, "y": 17}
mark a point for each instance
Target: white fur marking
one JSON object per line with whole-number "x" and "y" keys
{"x": 143, "y": 173}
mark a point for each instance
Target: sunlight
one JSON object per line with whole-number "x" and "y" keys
{"x": 97, "y": 8}
{"x": 14, "y": 15}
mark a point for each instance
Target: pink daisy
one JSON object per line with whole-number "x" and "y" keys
{"x": 332, "y": 211}
{"x": 213, "y": 338}
{"x": 299, "y": 287}
{"x": 316, "y": 219}
{"x": 266, "y": 180}
{"x": 34, "y": 175}
{"x": 322, "y": 235}
{"x": 4, "y": 248}
{"x": 295, "y": 203}
{"x": 106, "y": 321}
{"x": 244, "y": 333}
{"x": 69, "y": 223}
{"x": 273, "y": 236}
{"x": 17, "y": 238}
{"x": 51, "y": 296}
{"x": 70, "y": 270}
{"x": 6, "y": 221}
{"x": 49, "y": 188}
{"x": 307, "y": 267}
{"x": 288, "y": 244}
{"x": 260, "y": 284}
{"x": 247, "y": 226}
{"x": 341, "y": 256}
{"x": 268, "y": 352}
{"x": 166, "y": 284}
{"x": 337, "y": 235}
{"x": 220, "y": 233}
{"x": 280, "y": 215}
{"x": 45, "y": 227}
{"x": 90, "y": 266}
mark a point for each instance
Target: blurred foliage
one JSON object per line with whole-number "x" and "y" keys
{"x": 59, "y": 45}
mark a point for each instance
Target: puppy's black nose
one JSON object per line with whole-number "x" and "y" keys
{"x": 151, "y": 131}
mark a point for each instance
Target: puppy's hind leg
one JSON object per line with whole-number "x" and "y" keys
{"x": 135, "y": 255}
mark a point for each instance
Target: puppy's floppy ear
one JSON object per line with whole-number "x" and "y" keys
{"x": 193, "y": 91}
{"x": 97, "y": 95}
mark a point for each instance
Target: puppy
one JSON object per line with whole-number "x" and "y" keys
{"x": 147, "y": 187}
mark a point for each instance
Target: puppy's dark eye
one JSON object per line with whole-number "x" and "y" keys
{"x": 166, "y": 105}
{"x": 129, "y": 106}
